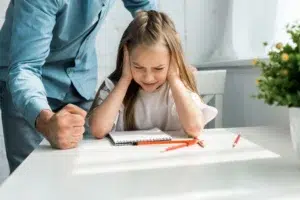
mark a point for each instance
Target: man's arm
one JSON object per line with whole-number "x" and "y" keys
{"x": 32, "y": 28}
{"x": 134, "y": 6}
{"x": 33, "y": 24}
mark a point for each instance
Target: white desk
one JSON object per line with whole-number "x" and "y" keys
{"x": 96, "y": 170}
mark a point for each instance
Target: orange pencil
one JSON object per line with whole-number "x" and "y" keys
{"x": 236, "y": 141}
{"x": 188, "y": 143}
{"x": 176, "y": 147}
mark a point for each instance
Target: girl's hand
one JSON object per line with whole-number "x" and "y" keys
{"x": 173, "y": 71}
{"x": 126, "y": 73}
{"x": 192, "y": 68}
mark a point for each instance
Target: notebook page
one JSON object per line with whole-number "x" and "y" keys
{"x": 130, "y": 137}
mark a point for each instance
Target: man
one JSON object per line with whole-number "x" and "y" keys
{"x": 48, "y": 70}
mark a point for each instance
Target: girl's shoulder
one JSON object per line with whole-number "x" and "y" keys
{"x": 108, "y": 84}
{"x": 105, "y": 88}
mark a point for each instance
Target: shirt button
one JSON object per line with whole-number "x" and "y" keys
{"x": 69, "y": 70}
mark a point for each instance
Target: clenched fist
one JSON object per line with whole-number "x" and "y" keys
{"x": 64, "y": 129}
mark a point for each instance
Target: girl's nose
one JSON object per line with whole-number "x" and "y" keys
{"x": 149, "y": 78}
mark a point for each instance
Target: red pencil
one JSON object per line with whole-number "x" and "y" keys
{"x": 236, "y": 140}
{"x": 201, "y": 144}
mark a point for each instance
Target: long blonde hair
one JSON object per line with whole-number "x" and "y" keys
{"x": 148, "y": 28}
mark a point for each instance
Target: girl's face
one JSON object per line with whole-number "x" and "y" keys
{"x": 149, "y": 66}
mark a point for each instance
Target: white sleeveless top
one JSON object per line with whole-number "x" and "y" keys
{"x": 156, "y": 109}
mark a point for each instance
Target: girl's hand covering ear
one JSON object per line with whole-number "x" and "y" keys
{"x": 173, "y": 70}
{"x": 126, "y": 74}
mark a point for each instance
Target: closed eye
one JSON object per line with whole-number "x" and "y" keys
{"x": 137, "y": 67}
{"x": 159, "y": 68}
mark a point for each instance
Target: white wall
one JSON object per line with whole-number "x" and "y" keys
{"x": 211, "y": 30}
{"x": 242, "y": 110}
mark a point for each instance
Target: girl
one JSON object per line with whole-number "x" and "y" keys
{"x": 151, "y": 86}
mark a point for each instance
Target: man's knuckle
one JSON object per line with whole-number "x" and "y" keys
{"x": 68, "y": 105}
{"x": 64, "y": 123}
{"x": 82, "y": 120}
{"x": 80, "y": 137}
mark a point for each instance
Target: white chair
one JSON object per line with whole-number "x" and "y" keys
{"x": 211, "y": 84}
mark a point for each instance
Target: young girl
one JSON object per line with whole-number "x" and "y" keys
{"x": 151, "y": 86}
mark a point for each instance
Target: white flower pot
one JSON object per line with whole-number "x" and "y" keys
{"x": 294, "y": 114}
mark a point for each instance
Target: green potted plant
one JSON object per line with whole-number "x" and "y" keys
{"x": 279, "y": 82}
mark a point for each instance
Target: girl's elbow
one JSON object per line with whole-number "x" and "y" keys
{"x": 96, "y": 128}
{"x": 98, "y": 131}
{"x": 99, "y": 136}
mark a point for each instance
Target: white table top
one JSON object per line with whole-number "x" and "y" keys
{"x": 262, "y": 166}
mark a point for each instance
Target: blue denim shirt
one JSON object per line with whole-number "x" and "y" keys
{"x": 45, "y": 45}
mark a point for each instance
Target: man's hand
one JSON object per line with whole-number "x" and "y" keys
{"x": 64, "y": 129}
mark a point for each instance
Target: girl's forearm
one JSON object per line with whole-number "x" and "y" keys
{"x": 189, "y": 114}
{"x": 103, "y": 117}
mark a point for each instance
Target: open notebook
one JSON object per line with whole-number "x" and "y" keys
{"x": 132, "y": 137}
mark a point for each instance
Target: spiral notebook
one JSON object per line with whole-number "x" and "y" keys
{"x": 132, "y": 137}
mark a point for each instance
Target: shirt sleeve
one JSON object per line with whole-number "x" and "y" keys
{"x": 134, "y": 6}
{"x": 104, "y": 92}
{"x": 30, "y": 43}
{"x": 208, "y": 112}
{"x": 101, "y": 96}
